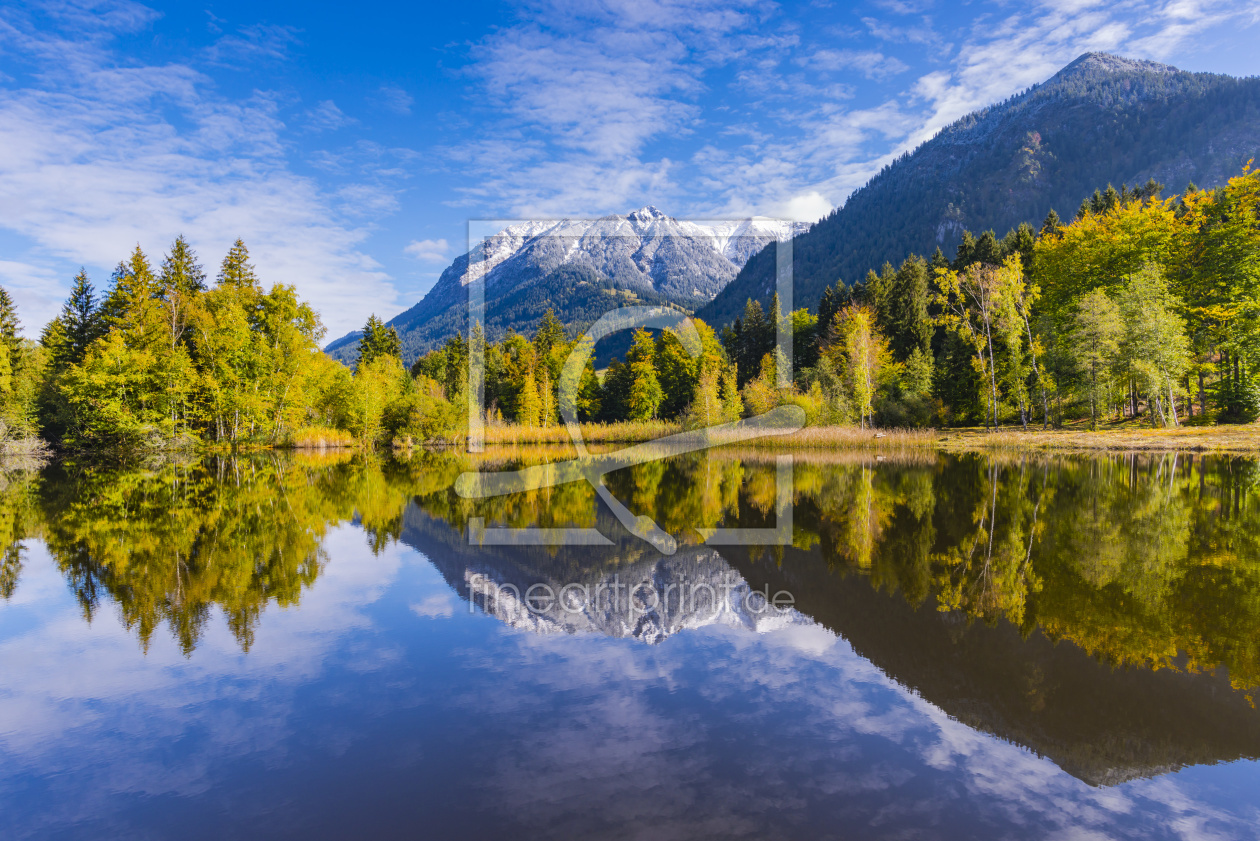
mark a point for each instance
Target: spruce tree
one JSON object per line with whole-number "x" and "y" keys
{"x": 131, "y": 287}
{"x": 966, "y": 254}
{"x": 9, "y": 326}
{"x": 911, "y": 326}
{"x": 988, "y": 250}
{"x": 827, "y": 310}
{"x": 939, "y": 261}
{"x": 237, "y": 271}
{"x": 80, "y": 319}
{"x": 1052, "y": 223}
{"x": 181, "y": 272}
{"x": 378, "y": 340}
{"x": 550, "y": 334}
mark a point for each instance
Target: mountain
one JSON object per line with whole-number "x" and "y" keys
{"x": 1102, "y": 724}
{"x": 1102, "y": 119}
{"x": 581, "y": 268}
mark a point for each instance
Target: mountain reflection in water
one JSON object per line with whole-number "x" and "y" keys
{"x": 1102, "y": 612}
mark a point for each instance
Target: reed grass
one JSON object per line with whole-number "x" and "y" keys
{"x": 1238, "y": 439}
{"x": 623, "y": 432}
{"x": 319, "y": 438}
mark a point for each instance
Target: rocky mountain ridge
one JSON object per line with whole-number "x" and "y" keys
{"x": 581, "y": 268}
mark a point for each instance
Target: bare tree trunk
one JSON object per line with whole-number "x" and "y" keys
{"x": 1172, "y": 403}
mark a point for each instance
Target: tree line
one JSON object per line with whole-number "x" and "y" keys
{"x": 1140, "y": 306}
{"x": 166, "y": 358}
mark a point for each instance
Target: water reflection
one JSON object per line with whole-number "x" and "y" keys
{"x": 1102, "y": 612}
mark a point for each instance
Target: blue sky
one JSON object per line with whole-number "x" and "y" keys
{"x": 349, "y": 145}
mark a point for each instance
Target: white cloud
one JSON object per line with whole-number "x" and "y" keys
{"x": 326, "y": 116}
{"x": 596, "y": 107}
{"x": 396, "y": 99}
{"x": 429, "y": 250}
{"x": 92, "y": 165}
{"x": 436, "y": 606}
{"x": 870, "y": 63}
{"x": 253, "y": 43}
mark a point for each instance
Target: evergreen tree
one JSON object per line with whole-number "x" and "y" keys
{"x": 676, "y": 371}
{"x": 939, "y": 261}
{"x": 911, "y": 326}
{"x": 550, "y": 334}
{"x": 181, "y": 280}
{"x": 80, "y": 319}
{"x": 236, "y": 270}
{"x": 9, "y": 326}
{"x": 181, "y": 272}
{"x": 827, "y": 310}
{"x": 129, "y": 307}
{"x": 966, "y": 254}
{"x": 754, "y": 339}
{"x": 1051, "y": 225}
{"x": 988, "y": 250}
{"x": 378, "y": 340}
{"x": 1020, "y": 242}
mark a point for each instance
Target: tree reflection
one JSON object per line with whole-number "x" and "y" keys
{"x": 1149, "y": 560}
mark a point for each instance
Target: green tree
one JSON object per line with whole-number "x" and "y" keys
{"x": 1155, "y": 344}
{"x": 911, "y": 327}
{"x": 236, "y": 271}
{"x": 378, "y": 340}
{"x": 1095, "y": 345}
{"x": 645, "y": 394}
{"x": 80, "y": 319}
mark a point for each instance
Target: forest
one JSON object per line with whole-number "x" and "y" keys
{"x": 1141, "y": 309}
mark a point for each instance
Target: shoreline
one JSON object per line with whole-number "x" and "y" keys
{"x": 1242, "y": 439}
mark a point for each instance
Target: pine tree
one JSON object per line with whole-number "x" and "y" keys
{"x": 966, "y": 254}
{"x": 378, "y": 340}
{"x": 9, "y": 326}
{"x": 80, "y": 319}
{"x": 181, "y": 272}
{"x": 1052, "y": 224}
{"x": 911, "y": 327}
{"x": 132, "y": 291}
{"x": 550, "y": 334}
{"x": 236, "y": 270}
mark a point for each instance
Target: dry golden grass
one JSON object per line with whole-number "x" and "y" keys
{"x": 889, "y": 442}
{"x": 625, "y": 432}
{"x": 633, "y": 432}
{"x": 849, "y": 437}
{"x": 319, "y": 438}
{"x": 1240, "y": 439}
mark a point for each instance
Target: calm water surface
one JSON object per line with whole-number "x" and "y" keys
{"x": 311, "y": 647}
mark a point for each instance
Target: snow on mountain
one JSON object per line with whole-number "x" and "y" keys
{"x": 581, "y": 268}
{"x": 648, "y": 602}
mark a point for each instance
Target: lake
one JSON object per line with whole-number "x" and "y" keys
{"x": 920, "y": 646}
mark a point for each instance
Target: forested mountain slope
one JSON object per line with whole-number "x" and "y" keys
{"x": 1102, "y": 119}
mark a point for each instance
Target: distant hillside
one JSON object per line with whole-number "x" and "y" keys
{"x": 580, "y": 268}
{"x": 1102, "y": 119}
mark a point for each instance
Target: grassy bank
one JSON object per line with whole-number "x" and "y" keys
{"x": 1118, "y": 437}
{"x": 1223, "y": 438}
